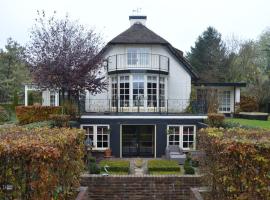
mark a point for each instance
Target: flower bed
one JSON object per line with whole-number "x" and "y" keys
{"x": 237, "y": 162}
{"x": 40, "y": 163}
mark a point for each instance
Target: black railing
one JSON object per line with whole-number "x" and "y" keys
{"x": 143, "y": 105}
{"x": 145, "y": 61}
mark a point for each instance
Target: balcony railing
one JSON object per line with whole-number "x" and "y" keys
{"x": 161, "y": 106}
{"x": 145, "y": 61}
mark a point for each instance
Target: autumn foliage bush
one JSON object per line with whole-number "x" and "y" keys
{"x": 215, "y": 119}
{"x": 248, "y": 104}
{"x": 40, "y": 163}
{"x": 237, "y": 162}
{"x": 29, "y": 114}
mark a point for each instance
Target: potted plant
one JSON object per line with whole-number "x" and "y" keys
{"x": 108, "y": 153}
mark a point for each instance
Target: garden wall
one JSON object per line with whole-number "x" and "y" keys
{"x": 140, "y": 187}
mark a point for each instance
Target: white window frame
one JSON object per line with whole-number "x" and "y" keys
{"x": 181, "y": 128}
{"x": 138, "y": 56}
{"x": 95, "y": 135}
{"x": 224, "y": 99}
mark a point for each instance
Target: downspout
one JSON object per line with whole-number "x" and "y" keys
{"x": 234, "y": 96}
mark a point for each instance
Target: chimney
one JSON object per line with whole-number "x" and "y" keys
{"x": 137, "y": 19}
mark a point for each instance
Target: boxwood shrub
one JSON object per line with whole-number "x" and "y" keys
{"x": 115, "y": 165}
{"x": 163, "y": 165}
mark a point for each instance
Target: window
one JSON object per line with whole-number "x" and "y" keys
{"x": 151, "y": 91}
{"x": 188, "y": 137}
{"x": 138, "y": 90}
{"x": 224, "y": 99}
{"x": 52, "y": 98}
{"x": 162, "y": 91}
{"x": 182, "y": 135}
{"x": 114, "y": 91}
{"x": 99, "y": 135}
{"x": 124, "y": 91}
{"x": 102, "y": 137}
{"x": 174, "y": 135}
{"x": 138, "y": 56}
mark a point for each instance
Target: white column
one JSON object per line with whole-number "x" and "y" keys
{"x": 26, "y": 95}
{"x": 56, "y": 98}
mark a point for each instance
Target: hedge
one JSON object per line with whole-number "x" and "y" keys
{"x": 29, "y": 114}
{"x": 115, "y": 165}
{"x": 237, "y": 162}
{"x": 215, "y": 119}
{"x": 40, "y": 163}
{"x": 163, "y": 165}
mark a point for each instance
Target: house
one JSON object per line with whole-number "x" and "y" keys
{"x": 148, "y": 104}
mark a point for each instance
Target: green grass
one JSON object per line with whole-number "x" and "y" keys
{"x": 115, "y": 166}
{"x": 251, "y": 123}
{"x": 157, "y": 165}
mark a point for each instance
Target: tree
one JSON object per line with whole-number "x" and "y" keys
{"x": 208, "y": 56}
{"x": 13, "y": 71}
{"x": 63, "y": 55}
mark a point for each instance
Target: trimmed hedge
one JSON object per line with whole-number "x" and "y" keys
{"x": 163, "y": 165}
{"x": 29, "y": 114}
{"x": 115, "y": 165}
{"x": 40, "y": 163}
{"x": 237, "y": 162}
{"x": 215, "y": 119}
{"x": 248, "y": 104}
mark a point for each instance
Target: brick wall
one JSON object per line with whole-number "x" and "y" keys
{"x": 128, "y": 187}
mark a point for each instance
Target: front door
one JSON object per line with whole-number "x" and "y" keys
{"x": 138, "y": 140}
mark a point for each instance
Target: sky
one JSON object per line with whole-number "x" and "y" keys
{"x": 178, "y": 21}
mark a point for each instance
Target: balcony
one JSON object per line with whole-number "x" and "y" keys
{"x": 136, "y": 106}
{"x": 138, "y": 61}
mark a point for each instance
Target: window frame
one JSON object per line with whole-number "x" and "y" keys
{"x": 138, "y": 56}
{"x": 224, "y": 101}
{"x": 181, "y": 135}
{"x": 95, "y": 135}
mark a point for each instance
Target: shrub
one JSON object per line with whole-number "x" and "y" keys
{"x": 60, "y": 120}
{"x": 70, "y": 108}
{"x": 163, "y": 165}
{"x": 93, "y": 168}
{"x": 40, "y": 163}
{"x": 188, "y": 168}
{"x": 29, "y": 114}
{"x": 4, "y": 115}
{"x": 215, "y": 120}
{"x": 248, "y": 104}
{"x": 237, "y": 162}
{"x": 38, "y": 125}
{"x": 115, "y": 165}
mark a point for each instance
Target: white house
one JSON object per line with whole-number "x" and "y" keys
{"x": 149, "y": 92}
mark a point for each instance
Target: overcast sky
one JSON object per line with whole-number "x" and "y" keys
{"x": 178, "y": 21}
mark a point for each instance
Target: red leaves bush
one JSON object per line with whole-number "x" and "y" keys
{"x": 29, "y": 114}
{"x": 237, "y": 162}
{"x": 215, "y": 119}
{"x": 248, "y": 104}
{"x": 39, "y": 163}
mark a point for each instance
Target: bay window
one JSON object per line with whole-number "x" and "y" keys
{"x": 124, "y": 91}
{"x": 151, "y": 91}
{"x": 99, "y": 135}
{"x": 138, "y": 90}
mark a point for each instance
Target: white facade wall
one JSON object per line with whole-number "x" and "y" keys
{"x": 178, "y": 81}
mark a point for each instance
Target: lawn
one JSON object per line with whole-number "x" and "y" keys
{"x": 252, "y": 123}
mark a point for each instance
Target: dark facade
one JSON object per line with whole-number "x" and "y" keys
{"x": 160, "y": 131}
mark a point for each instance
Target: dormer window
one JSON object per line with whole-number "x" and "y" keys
{"x": 138, "y": 56}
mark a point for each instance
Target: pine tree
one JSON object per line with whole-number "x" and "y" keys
{"x": 208, "y": 57}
